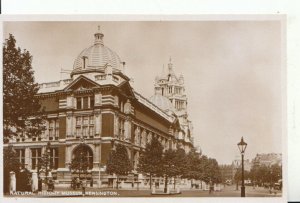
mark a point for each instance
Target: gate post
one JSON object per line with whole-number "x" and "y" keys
{"x": 12, "y": 184}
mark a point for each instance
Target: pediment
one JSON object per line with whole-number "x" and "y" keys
{"x": 81, "y": 83}
{"x": 126, "y": 88}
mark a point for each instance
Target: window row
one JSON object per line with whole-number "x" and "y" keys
{"x": 85, "y": 131}
{"x": 85, "y": 102}
{"x": 37, "y": 158}
{"x": 84, "y": 120}
{"x": 142, "y": 137}
{"x": 179, "y": 105}
{"x": 84, "y": 126}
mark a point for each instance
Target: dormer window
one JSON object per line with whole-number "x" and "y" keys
{"x": 84, "y": 59}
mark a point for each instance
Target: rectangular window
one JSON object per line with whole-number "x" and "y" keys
{"x": 54, "y": 158}
{"x": 91, "y": 120}
{"x": 78, "y": 120}
{"x": 21, "y": 156}
{"x": 53, "y": 128}
{"x": 85, "y": 131}
{"x": 78, "y": 101}
{"x": 121, "y": 128}
{"x": 78, "y": 132}
{"x": 85, "y": 103}
{"x": 51, "y": 123}
{"x": 56, "y": 132}
{"x": 91, "y": 133}
{"x": 85, "y": 120}
{"x": 51, "y": 132}
{"x": 92, "y": 102}
{"x": 35, "y": 157}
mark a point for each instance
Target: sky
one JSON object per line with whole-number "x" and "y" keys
{"x": 232, "y": 71}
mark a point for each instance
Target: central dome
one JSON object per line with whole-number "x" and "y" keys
{"x": 97, "y": 56}
{"x": 162, "y": 102}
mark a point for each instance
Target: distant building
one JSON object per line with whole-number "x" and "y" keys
{"x": 238, "y": 163}
{"x": 227, "y": 172}
{"x": 267, "y": 159}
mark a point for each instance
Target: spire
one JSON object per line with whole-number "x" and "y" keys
{"x": 98, "y": 36}
{"x": 163, "y": 73}
{"x": 170, "y": 66}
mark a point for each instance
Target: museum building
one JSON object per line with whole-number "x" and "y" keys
{"x": 98, "y": 107}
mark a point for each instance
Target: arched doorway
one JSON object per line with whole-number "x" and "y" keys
{"x": 84, "y": 154}
{"x": 82, "y": 162}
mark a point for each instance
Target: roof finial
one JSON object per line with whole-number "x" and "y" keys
{"x": 170, "y": 66}
{"x": 163, "y": 71}
{"x": 98, "y": 36}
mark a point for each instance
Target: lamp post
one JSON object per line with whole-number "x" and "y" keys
{"x": 236, "y": 165}
{"x": 47, "y": 163}
{"x": 99, "y": 181}
{"x": 242, "y": 147}
{"x": 81, "y": 167}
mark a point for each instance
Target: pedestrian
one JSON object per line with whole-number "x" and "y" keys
{"x": 40, "y": 184}
{"x": 77, "y": 183}
{"x": 91, "y": 183}
{"x": 83, "y": 186}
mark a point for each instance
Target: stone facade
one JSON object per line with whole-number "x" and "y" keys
{"x": 98, "y": 107}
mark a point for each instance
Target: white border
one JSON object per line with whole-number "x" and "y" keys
{"x": 165, "y": 18}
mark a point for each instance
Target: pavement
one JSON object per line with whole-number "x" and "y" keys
{"x": 228, "y": 191}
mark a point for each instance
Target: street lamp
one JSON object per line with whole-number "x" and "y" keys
{"x": 47, "y": 162}
{"x": 236, "y": 165}
{"x": 242, "y": 147}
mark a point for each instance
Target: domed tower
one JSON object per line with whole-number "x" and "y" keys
{"x": 97, "y": 59}
{"x": 169, "y": 86}
{"x": 172, "y": 87}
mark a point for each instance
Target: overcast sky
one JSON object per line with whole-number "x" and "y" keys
{"x": 232, "y": 71}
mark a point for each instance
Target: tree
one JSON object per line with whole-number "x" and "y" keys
{"x": 118, "y": 162}
{"x": 45, "y": 164}
{"x": 10, "y": 163}
{"x": 174, "y": 164}
{"x": 168, "y": 166}
{"x": 19, "y": 90}
{"x": 150, "y": 159}
{"x": 261, "y": 174}
{"x": 193, "y": 166}
{"x": 210, "y": 170}
{"x": 275, "y": 173}
{"x": 238, "y": 175}
{"x": 181, "y": 166}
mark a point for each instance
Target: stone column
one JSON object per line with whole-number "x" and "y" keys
{"x": 96, "y": 154}
{"x": 68, "y": 155}
{"x": 27, "y": 158}
{"x": 69, "y": 125}
{"x": 73, "y": 130}
{"x": 34, "y": 186}
{"x": 127, "y": 128}
{"x": 97, "y": 122}
{"x": 12, "y": 184}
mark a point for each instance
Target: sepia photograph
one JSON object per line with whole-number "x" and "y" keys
{"x": 169, "y": 108}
